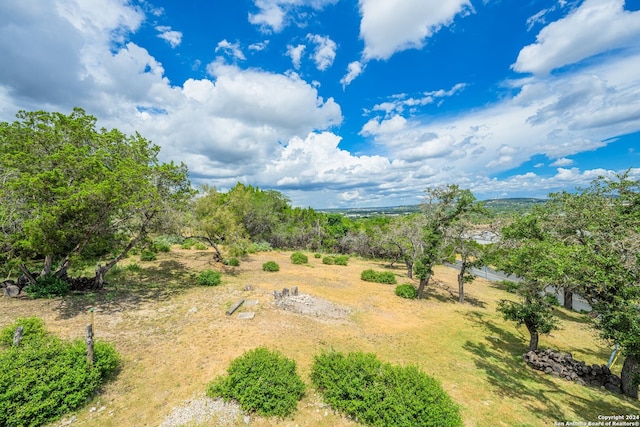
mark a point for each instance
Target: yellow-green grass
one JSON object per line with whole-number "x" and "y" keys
{"x": 175, "y": 338}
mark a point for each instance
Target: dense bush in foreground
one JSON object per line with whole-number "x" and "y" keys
{"x": 380, "y": 394}
{"x": 262, "y": 381}
{"x": 45, "y": 377}
{"x": 378, "y": 277}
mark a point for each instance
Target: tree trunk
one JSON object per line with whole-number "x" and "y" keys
{"x": 101, "y": 271}
{"x": 533, "y": 341}
{"x": 99, "y": 280}
{"x": 568, "y": 299}
{"x": 629, "y": 375}
{"x": 27, "y": 274}
{"x": 409, "y": 269}
{"x": 46, "y": 268}
{"x": 461, "y": 285}
{"x": 422, "y": 285}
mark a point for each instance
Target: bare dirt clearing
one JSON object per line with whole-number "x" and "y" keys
{"x": 175, "y": 338}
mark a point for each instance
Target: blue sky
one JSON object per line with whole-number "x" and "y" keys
{"x": 345, "y": 103}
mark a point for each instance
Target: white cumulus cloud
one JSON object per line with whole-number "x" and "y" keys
{"x": 174, "y": 38}
{"x": 391, "y": 26}
{"x": 594, "y": 27}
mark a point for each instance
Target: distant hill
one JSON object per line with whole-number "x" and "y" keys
{"x": 516, "y": 205}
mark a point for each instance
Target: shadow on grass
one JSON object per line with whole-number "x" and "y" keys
{"x": 129, "y": 288}
{"x": 572, "y": 316}
{"x": 500, "y": 357}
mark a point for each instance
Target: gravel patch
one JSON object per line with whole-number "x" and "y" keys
{"x": 310, "y": 305}
{"x": 204, "y": 410}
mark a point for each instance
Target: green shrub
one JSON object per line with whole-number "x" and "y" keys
{"x": 270, "y": 266}
{"x": 162, "y": 244}
{"x": 259, "y": 247}
{"x": 381, "y": 394}
{"x": 50, "y": 286}
{"x": 406, "y": 290}
{"x": 299, "y": 258}
{"x": 329, "y": 260}
{"x": 188, "y": 244}
{"x": 148, "y": 255}
{"x": 45, "y": 377}
{"x": 369, "y": 275}
{"x": 133, "y": 267}
{"x": 32, "y": 329}
{"x": 200, "y": 246}
{"x": 387, "y": 277}
{"x": 378, "y": 277}
{"x": 341, "y": 259}
{"x": 262, "y": 381}
{"x": 233, "y": 262}
{"x": 317, "y": 255}
{"x": 209, "y": 278}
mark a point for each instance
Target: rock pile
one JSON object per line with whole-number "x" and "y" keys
{"x": 563, "y": 365}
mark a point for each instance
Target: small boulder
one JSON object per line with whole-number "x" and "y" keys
{"x": 11, "y": 291}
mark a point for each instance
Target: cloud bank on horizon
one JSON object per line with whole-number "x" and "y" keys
{"x": 343, "y": 103}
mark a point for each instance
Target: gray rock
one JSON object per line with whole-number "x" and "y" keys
{"x": 11, "y": 291}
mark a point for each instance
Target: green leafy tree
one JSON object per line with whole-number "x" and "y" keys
{"x": 404, "y": 235}
{"x": 215, "y": 222}
{"x": 469, "y": 253}
{"x": 74, "y": 190}
{"x": 599, "y": 231}
{"x": 443, "y": 207}
{"x": 527, "y": 252}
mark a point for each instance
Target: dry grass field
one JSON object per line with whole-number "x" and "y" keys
{"x": 174, "y": 338}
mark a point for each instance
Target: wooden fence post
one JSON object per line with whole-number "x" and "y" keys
{"x": 89, "y": 342}
{"x": 17, "y": 336}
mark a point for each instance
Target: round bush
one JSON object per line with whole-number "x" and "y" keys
{"x": 299, "y": 258}
{"x": 378, "y": 277}
{"x": 200, "y": 246}
{"x": 329, "y": 260}
{"x": 381, "y": 394}
{"x": 341, "y": 259}
{"x": 45, "y": 377}
{"x": 162, "y": 244}
{"x": 369, "y": 276}
{"x": 50, "y": 286}
{"x": 406, "y": 290}
{"x": 317, "y": 255}
{"x": 233, "y": 262}
{"x": 188, "y": 244}
{"x": 270, "y": 266}
{"x": 147, "y": 255}
{"x": 209, "y": 278}
{"x": 262, "y": 381}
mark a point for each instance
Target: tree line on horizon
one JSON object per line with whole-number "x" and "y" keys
{"x": 74, "y": 195}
